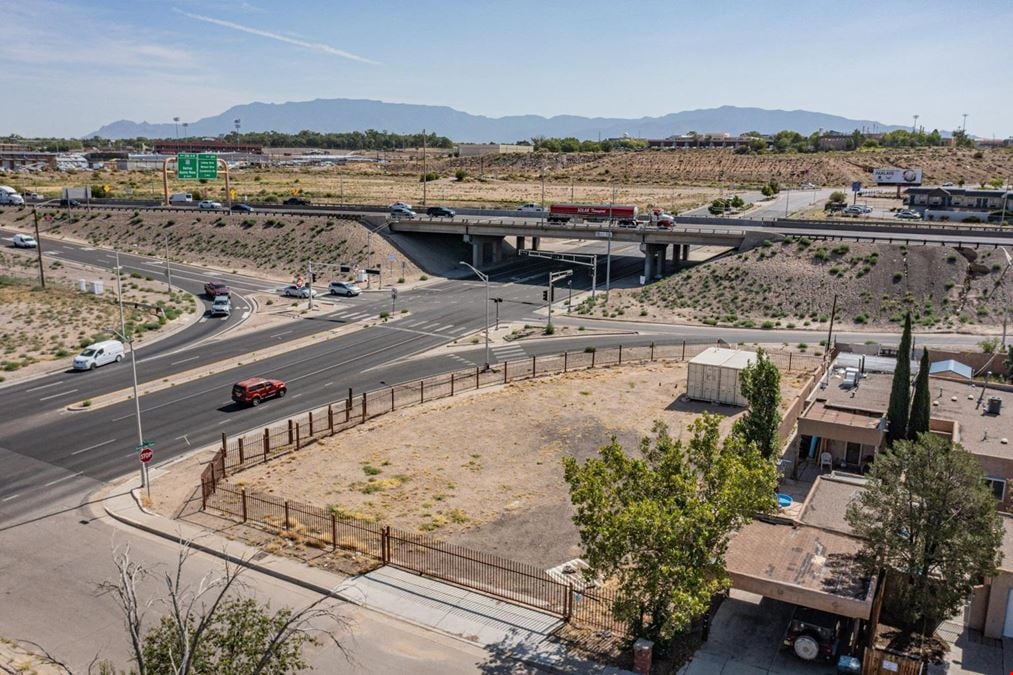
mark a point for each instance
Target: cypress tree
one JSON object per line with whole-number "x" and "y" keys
{"x": 900, "y": 392}
{"x": 920, "y": 404}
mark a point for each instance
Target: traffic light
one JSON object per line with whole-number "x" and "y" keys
{"x": 545, "y": 296}
{"x": 314, "y": 277}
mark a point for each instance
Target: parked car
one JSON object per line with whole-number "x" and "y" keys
{"x": 242, "y": 208}
{"x": 808, "y": 186}
{"x": 865, "y": 208}
{"x": 346, "y": 288}
{"x": 401, "y": 212}
{"x": 813, "y": 634}
{"x": 948, "y": 184}
{"x": 854, "y": 210}
{"x": 99, "y": 354}
{"x": 296, "y": 201}
{"x": 401, "y": 205}
{"x": 180, "y": 198}
{"x": 213, "y": 289}
{"x": 24, "y": 241}
{"x": 209, "y": 204}
{"x": 221, "y": 306}
{"x": 33, "y": 196}
{"x": 293, "y": 291}
{"x": 253, "y": 390}
{"x": 909, "y": 215}
{"x": 535, "y": 208}
{"x": 11, "y": 199}
{"x": 440, "y": 212}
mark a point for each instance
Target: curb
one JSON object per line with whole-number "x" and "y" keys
{"x": 308, "y": 585}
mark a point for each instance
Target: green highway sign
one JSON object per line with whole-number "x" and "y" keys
{"x": 196, "y": 166}
{"x": 207, "y": 165}
{"x": 186, "y": 166}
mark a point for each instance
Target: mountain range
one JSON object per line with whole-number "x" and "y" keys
{"x": 342, "y": 115}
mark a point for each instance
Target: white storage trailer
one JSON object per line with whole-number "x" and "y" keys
{"x": 714, "y": 376}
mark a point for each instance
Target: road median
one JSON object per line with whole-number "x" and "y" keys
{"x": 199, "y": 372}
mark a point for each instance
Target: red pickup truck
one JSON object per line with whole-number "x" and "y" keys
{"x": 253, "y": 390}
{"x": 215, "y": 288}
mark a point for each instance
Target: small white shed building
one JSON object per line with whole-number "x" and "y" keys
{"x": 714, "y": 376}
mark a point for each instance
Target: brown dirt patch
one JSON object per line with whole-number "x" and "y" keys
{"x": 484, "y": 470}
{"x": 792, "y": 284}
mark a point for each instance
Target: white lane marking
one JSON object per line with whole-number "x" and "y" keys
{"x": 174, "y": 363}
{"x": 60, "y": 480}
{"x": 13, "y": 496}
{"x": 88, "y": 248}
{"x": 284, "y": 332}
{"x": 51, "y": 384}
{"x": 202, "y": 319}
{"x": 51, "y": 253}
{"x": 92, "y": 447}
{"x": 245, "y": 316}
{"x": 46, "y": 398}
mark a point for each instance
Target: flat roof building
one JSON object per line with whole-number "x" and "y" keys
{"x": 482, "y": 149}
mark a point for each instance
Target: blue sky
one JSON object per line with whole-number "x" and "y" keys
{"x": 70, "y": 66}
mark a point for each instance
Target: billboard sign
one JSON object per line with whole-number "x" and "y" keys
{"x": 897, "y": 176}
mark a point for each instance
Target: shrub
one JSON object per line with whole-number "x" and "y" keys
{"x": 897, "y": 276}
{"x": 767, "y": 325}
{"x": 460, "y": 174}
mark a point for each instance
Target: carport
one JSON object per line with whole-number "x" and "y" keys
{"x": 801, "y": 565}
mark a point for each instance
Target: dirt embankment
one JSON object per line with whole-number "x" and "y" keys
{"x": 793, "y": 283}
{"x": 276, "y": 246}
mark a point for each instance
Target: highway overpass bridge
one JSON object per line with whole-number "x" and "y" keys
{"x": 486, "y": 235}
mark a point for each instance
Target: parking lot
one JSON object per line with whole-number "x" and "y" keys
{"x": 745, "y": 639}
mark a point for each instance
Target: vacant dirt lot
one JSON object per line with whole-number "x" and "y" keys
{"x": 485, "y": 470}
{"x": 43, "y": 326}
{"x": 793, "y": 283}
{"x": 263, "y": 245}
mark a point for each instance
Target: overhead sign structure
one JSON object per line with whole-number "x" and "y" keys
{"x": 897, "y": 176}
{"x": 196, "y": 166}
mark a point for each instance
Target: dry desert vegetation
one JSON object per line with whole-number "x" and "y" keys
{"x": 273, "y": 246}
{"x": 792, "y": 284}
{"x": 44, "y": 325}
{"x": 484, "y": 470}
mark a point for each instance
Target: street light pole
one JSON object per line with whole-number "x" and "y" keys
{"x": 168, "y": 270}
{"x": 133, "y": 365}
{"x": 38, "y": 248}
{"x": 485, "y": 278}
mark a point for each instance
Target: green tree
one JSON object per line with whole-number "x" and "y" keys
{"x": 899, "y": 407}
{"x": 921, "y": 404}
{"x": 927, "y": 515}
{"x": 460, "y": 174}
{"x": 658, "y": 525}
{"x": 838, "y": 197}
{"x": 761, "y": 386}
{"x": 1009, "y": 363}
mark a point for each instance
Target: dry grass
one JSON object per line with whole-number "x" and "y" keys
{"x": 793, "y": 283}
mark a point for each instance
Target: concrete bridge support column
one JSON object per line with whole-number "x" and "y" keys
{"x": 654, "y": 261}
{"x": 535, "y": 241}
{"x": 685, "y": 252}
{"x": 520, "y": 243}
{"x": 486, "y": 250}
{"x": 497, "y": 250}
{"x": 477, "y": 252}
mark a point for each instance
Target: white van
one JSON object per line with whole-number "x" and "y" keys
{"x": 11, "y": 199}
{"x": 180, "y": 198}
{"x": 99, "y": 354}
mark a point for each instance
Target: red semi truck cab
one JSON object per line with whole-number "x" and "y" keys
{"x": 624, "y": 214}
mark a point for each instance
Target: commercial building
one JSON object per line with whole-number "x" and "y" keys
{"x": 710, "y": 140}
{"x": 482, "y": 149}
{"x": 171, "y": 147}
{"x": 958, "y": 204}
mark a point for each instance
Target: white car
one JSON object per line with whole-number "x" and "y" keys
{"x": 24, "y": 241}
{"x": 401, "y": 212}
{"x": 99, "y": 354}
{"x": 400, "y": 205}
{"x": 12, "y": 198}
{"x": 346, "y": 288}
{"x": 293, "y": 291}
{"x": 535, "y": 208}
{"x": 221, "y": 306}
{"x": 909, "y": 215}
{"x": 854, "y": 210}
{"x": 209, "y": 204}
{"x": 948, "y": 184}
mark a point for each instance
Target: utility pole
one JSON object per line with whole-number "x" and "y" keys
{"x": 309, "y": 282}
{"x": 133, "y": 365}
{"x": 425, "y": 178}
{"x": 38, "y": 248}
{"x": 569, "y": 296}
{"x": 168, "y": 270}
{"x": 830, "y": 331}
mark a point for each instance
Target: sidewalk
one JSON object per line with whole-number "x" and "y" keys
{"x": 504, "y": 629}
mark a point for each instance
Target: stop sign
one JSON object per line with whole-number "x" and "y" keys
{"x": 146, "y": 455}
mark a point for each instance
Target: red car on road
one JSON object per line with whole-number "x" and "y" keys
{"x": 253, "y": 390}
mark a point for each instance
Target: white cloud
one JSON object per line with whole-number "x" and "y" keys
{"x": 315, "y": 46}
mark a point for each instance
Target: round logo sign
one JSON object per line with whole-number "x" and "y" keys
{"x": 910, "y": 176}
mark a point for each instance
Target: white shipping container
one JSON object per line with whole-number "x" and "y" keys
{"x": 713, "y": 376}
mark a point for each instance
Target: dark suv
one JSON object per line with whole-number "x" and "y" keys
{"x": 253, "y": 390}
{"x": 215, "y": 288}
{"x": 440, "y": 212}
{"x": 297, "y": 201}
{"x": 813, "y": 634}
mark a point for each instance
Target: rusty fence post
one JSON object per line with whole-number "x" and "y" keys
{"x": 204, "y": 494}
{"x": 392, "y": 399}
{"x": 363, "y": 406}
{"x": 683, "y": 350}
{"x": 298, "y": 443}
{"x": 452, "y": 384}
{"x": 593, "y": 353}
{"x": 266, "y": 443}
{"x": 243, "y": 493}
{"x": 330, "y": 419}
{"x": 286, "y": 514}
{"x": 311, "y": 423}
{"x": 566, "y": 357}
{"x": 620, "y": 355}
{"x": 385, "y": 545}
{"x": 348, "y": 409}
{"x": 476, "y": 377}
{"x": 291, "y": 434}
{"x": 225, "y": 445}
{"x": 334, "y": 532}
{"x": 242, "y": 455}
{"x": 534, "y": 366}
{"x": 789, "y": 362}
{"x": 422, "y": 391}
{"x": 505, "y": 364}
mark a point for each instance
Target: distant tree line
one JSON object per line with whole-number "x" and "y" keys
{"x": 572, "y": 144}
{"x": 791, "y": 141}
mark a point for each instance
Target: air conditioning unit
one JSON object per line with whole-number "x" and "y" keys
{"x": 994, "y": 405}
